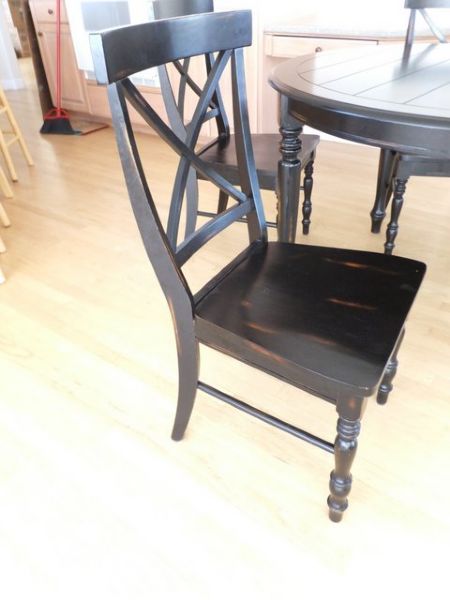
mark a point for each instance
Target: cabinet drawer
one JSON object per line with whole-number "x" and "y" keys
{"x": 44, "y": 11}
{"x": 283, "y": 46}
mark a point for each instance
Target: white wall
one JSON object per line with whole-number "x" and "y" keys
{"x": 10, "y": 77}
{"x": 384, "y": 15}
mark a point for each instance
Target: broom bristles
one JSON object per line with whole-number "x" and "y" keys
{"x": 57, "y": 121}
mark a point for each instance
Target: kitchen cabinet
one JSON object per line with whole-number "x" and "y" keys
{"x": 282, "y": 46}
{"x": 73, "y": 84}
{"x": 302, "y": 30}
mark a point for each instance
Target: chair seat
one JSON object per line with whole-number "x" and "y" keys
{"x": 425, "y": 166}
{"x": 267, "y": 154}
{"x": 316, "y": 317}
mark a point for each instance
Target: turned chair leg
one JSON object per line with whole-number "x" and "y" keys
{"x": 384, "y": 189}
{"x": 391, "y": 369}
{"x": 345, "y": 446}
{"x": 397, "y": 203}
{"x": 307, "y": 191}
{"x": 223, "y": 202}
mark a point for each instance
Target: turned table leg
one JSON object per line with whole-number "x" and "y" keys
{"x": 289, "y": 168}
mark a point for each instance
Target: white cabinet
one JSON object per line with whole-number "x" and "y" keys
{"x": 73, "y": 85}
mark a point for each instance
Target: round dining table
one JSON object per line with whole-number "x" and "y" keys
{"x": 380, "y": 96}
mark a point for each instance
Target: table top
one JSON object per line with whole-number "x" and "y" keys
{"x": 374, "y": 95}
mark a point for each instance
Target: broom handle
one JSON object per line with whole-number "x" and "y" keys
{"x": 58, "y": 55}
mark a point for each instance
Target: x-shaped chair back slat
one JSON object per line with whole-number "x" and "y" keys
{"x": 225, "y": 36}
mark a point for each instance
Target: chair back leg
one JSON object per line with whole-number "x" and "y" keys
{"x": 386, "y": 386}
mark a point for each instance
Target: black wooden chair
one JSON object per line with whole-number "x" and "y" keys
{"x": 326, "y": 320}
{"x": 220, "y": 152}
{"x": 395, "y": 168}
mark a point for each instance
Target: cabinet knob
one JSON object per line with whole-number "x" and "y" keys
{"x": 50, "y": 11}
{"x": 319, "y": 49}
{"x": 40, "y": 34}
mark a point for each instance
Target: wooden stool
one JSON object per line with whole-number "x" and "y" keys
{"x": 16, "y": 136}
{"x": 6, "y": 223}
{"x": 4, "y": 185}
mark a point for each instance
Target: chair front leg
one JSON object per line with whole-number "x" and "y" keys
{"x": 397, "y": 203}
{"x": 384, "y": 188}
{"x": 307, "y": 191}
{"x": 348, "y": 427}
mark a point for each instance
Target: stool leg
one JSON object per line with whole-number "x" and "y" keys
{"x": 2, "y": 277}
{"x": 25, "y": 150}
{"x": 4, "y": 185}
{"x": 16, "y": 129}
{"x": 4, "y": 217}
{"x": 21, "y": 140}
{"x": 2, "y": 246}
{"x": 5, "y": 151}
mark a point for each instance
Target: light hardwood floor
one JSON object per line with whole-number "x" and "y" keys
{"x": 97, "y": 502}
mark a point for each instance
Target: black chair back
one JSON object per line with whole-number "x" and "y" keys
{"x": 175, "y": 108}
{"x": 118, "y": 54}
{"x": 174, "y": 92}
{"x": 427, "y": 4}
{"x": 421, "y": 6}
{"x": 166, "y": 9}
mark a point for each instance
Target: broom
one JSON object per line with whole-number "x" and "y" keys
{"x": 57, "y": 119}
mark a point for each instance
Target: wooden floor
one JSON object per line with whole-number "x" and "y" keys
{"x": 97, "y": 502}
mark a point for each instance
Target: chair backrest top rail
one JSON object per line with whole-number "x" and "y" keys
{"x": 417, "y": 4}
{"x": 120, "y": 53}
{"x": 165, "y": 9}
